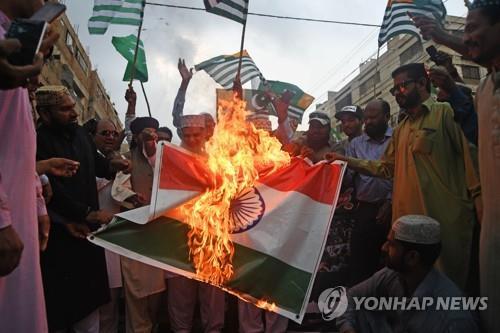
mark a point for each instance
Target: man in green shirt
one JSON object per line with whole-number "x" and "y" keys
{"x": 430, "y": 162}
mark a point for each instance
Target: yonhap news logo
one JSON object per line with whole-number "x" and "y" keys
{"x": 333, "y": 303}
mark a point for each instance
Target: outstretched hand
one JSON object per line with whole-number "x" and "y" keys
{"x": 186, "y": 73}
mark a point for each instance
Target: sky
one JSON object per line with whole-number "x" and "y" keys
{"x": 317, "y": 57}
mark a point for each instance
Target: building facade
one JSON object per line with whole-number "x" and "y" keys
{"x": 374, "y": 79}
{"x": 70, "y": 66}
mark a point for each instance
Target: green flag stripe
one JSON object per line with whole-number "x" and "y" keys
{"x": 398, "y": 32}
{"x": 388, "y": 24}
{"x": 117, "y": 8}
{"x": 397, "y": 26}
{"x": 246, "y": 74}
{"x": 216, "y": 68}
{"x": 116, "y": 20}
{"x": 227, "y": 15}
{"x": 223, "y": 73}
{"x": 97, "y": 31}
{"x": 236, "y": 6}
{"x": 165, "y": 241}
{"x": 434, "y": 8}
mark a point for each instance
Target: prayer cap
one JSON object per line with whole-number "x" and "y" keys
{"x": 323, "y": 118}
{"x": 355, "y": 110}
{"x": 417, "y": 229}
{"x": 193, "y": 120}
{"x": 260, "y": 121}
{"x": 51, "y": 95}
{"x": 475, "y": 4}
{"x": 140, "y": 123}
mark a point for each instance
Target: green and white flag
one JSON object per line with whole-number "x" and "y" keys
{"x": 223, "y": 69}
{"x": 126, "y": 47}
{"x": 279, "y": 230}
{"x": 299, "y": 102}
{"x": 396, "y": 19}
{"x": 106, "y": 12}
{"x": 235, "y": 10}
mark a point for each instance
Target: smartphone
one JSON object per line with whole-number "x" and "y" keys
{"x": 49, "y": 12}
{"x": 30, "y": 33}
{"x": 433, "y": 53}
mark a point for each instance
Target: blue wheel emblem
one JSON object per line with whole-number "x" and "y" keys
{"x": 246, "y": 210}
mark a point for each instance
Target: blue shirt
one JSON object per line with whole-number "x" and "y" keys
{"x": 387, "y": 283}
{"x": 370, "y": 189}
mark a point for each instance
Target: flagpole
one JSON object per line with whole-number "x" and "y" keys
{"x": 237, "y": 88}
{"x": 137, "y": 44}
{"x": 132, "y": 75}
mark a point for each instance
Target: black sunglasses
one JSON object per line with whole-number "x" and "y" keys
{"x": 109, "y": 133}
{"x": 401, "y": 87}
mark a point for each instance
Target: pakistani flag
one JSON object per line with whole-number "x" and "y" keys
{"x": 223, "y": 69}
{"x": 126, "y": 47}
{"x": 281, "y": 225}
{"x": 299, "y": 102}
{"x": 235, "y": 10}
{"x": 106, "y": 12}
{"x": 396, "y": 20}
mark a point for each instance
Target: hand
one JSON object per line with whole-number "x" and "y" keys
{"x": 186, "y": 73}
{"x": 120, "y": 164}
{"x": 307, "y": 152}
{"x": 384, "y": 213}
{"x": 330, "y": 157}
{"x": 138, "y": 200}
{"x": 60, "y": 167}
{"x": 429, "y": 27}
{"x": 16, "y": 76}
{"x": 130, "y": 95}
{"x": 442, "y": 79}
{"x": 281, "y": 105}
{"x": 50, "y": 38}
{"x": 77, "y": 230}
{"x": 43, "y": 231}
{"x": 11, "y": 248}
{"x": 99, "y": 217}
{"x": 47, "y": 193}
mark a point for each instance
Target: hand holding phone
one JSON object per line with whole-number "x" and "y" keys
{"x": 30, "y": 34}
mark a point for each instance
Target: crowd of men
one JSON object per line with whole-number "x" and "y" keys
{"x": 418, "y": 213}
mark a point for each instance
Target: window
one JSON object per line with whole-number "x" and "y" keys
{"x": 69, "y": 41}
{"x": 368, "y": 84}
{"x": 471, "y": 72}
{"x": 410, "y": 53}
{"x": 81, "y": 60}
{"x": 347, "y": 100}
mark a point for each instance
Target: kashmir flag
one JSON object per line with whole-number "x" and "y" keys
{"x": 126, "y": 47}
{"x": 281, "y": 227}
{"x": 396, "y": 19}
{"x": 299, "y": 102}
{"x": 235, "y": 10}
{"x": 106, "y": 12}
{"x": 223, "y": 69}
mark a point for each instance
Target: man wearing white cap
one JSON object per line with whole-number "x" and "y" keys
{"x": 351, "y": 122}
{"x": 183, "y": 292}
{"x": 412, "y": 247}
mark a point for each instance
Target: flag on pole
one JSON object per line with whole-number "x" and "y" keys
{"x": 396, "y": 20}
{"x": 223, "y": 69}
{"x": 235, "y": 10}
{"x": 126, "y": 47}
{"x": 106, "y": 12}
{"x": 299, "y": 102}
{"x": 281, "y": 227}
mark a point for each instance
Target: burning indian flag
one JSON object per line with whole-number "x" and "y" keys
{"x": 245, "y": 217}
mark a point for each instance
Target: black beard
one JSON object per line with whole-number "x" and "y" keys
{"x": 411, "y": 101}
{"x": 376, "y": 131}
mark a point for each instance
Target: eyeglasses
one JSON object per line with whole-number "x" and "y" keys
{"x": 114, "y": 134}
{"x": 401, "y": 87}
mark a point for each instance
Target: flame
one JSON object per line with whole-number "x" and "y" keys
{"x": 266, "y": 306}
{"x": 237, "y": 155}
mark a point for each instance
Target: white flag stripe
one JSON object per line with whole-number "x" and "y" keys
{"x": 136, "y": 5}
{"x": 286, "y": 231}
{"x": 108, "y": 13}
{"x": 233, "y": 68}
{"x": 231, "y": 74}
{"x": 410, "y": 7}
{"x": 226, "y": 63}
{"x": 231, "y": 10}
